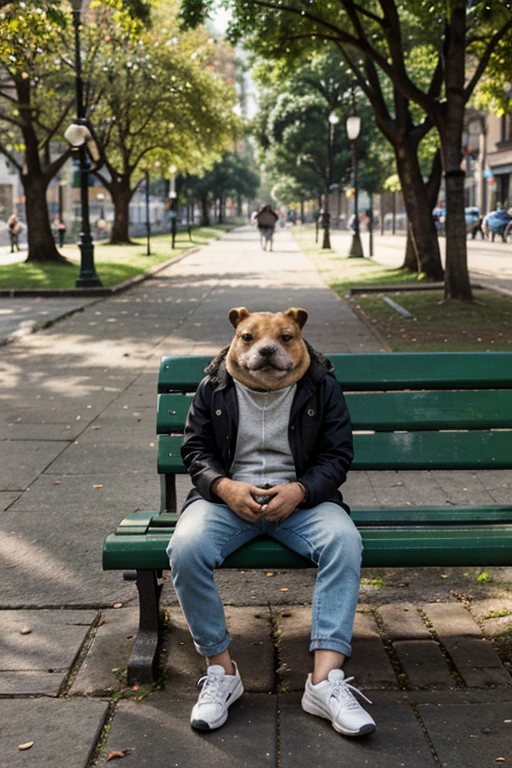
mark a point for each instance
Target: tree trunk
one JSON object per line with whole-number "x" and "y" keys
{"x": 457, "y": 284}
{"x": 121, "y": 196}
{"x": 41, "y": 243}
{"x": 205, "y": 211}
{"x": 419, "y": 211}
{"x": 411, "y": 259}
{"x": 450, "y": 125}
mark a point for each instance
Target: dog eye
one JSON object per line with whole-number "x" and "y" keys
{"x": 247, "y": 336}
{"x": 286, "y": 337}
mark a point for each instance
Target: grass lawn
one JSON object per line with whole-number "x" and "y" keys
{"x": 436, "y": 325}
{"x": 114, "y": 263}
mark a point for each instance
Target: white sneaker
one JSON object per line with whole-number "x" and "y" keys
{"x": 334, "y": 700}
{"x": 218, "y": 692}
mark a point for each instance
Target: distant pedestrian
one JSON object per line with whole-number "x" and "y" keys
{"x": 14, "y": 228}
{"x": 266, "y": 220}
{"x": 477, "y": 228}
{"x": 59, "y": 230}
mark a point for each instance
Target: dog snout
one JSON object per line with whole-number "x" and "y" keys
{"x": 267, "y": 351}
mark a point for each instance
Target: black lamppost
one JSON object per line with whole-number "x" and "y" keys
{"x": 100, "y": 197}
{"x": 333, "y": 120}
{"x": 353, "y": 128}
{"x": 148, "y": 221}
{"x": 172, "y": 198}
{"x": 78, "y": 135}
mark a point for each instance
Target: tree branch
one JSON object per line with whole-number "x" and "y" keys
{"x": 484, "y": 60}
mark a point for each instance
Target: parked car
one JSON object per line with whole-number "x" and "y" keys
{"x": 495, "y": 223}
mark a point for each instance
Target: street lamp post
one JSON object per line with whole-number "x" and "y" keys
{"x": 353, "y": 128}
{"x": 172, "y": 197}
{"x": 100, "y": 197}
{"x": 78, "y": 134}
{"x": 148, "y": 222}
{"x": 333, "y": 120}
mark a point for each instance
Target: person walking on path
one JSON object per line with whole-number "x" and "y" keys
{"x": 59, "y": 230}
{"x": 14, "y": 228}
{"x": 266, "y": 220}
{"x": 267, "y": 444}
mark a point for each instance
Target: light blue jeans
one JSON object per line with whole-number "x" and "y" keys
{"x": 207, "y": 533}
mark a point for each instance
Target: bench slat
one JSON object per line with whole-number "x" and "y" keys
{"x": 392, "y": 410}
{"x": 433, "y": 450}
{"x": 411, "y": 546}
{"x": 398, "y": 451}
{"x": 377, "y": 371}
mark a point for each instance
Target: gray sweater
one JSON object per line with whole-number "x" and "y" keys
{"x": 263, "y": 452}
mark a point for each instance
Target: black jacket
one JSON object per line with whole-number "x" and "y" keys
{"x": 319, "y": 432}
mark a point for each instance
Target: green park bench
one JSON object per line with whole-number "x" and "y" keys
{"x": 410, "y": 412}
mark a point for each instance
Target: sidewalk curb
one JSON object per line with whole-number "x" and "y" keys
{"x": 101, "y": 291}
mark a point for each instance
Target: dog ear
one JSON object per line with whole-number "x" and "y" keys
{"x": 236, "y": 315}
{"x": 300, "y": 316}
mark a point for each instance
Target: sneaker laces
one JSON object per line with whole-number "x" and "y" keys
{"x": 211, "y": 689}
{"x": 343, "y": 692}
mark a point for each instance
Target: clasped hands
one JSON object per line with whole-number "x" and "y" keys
{"x": 239, "y": 497}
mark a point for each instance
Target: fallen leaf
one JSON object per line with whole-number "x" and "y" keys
{"x": 116, "y": 754}
{"x": 27, "y": 745}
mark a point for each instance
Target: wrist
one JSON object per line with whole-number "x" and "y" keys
{"x": 218, "y": 485}
{"x": 302, "y": 489}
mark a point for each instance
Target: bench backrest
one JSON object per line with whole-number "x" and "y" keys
{"x": 409, "y": 411}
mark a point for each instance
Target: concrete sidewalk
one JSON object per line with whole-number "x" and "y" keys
{"x": 78, "y": 452}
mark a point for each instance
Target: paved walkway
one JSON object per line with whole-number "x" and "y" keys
{"x": 77, "y": 452}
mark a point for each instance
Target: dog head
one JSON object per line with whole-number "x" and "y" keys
{"x": 267, "y": 351}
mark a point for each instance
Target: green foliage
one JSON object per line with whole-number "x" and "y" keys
{"x": 231, "y": 176}
{"x": 295, "y": 138}
{"x": 156, "y": 95}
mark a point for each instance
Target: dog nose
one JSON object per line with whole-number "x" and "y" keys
{"x": 267, "y": 351}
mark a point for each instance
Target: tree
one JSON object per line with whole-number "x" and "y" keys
{"x": 293, "y": 131}
{"x": 232, "y": 176}
{"x": 33, "y": 108}
{"x": 378, "y": 39}
{"x": 153, "y": 98}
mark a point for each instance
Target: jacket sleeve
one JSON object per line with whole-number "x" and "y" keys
{"x": 199, "y": 450}
{"x": 333, "y": 453}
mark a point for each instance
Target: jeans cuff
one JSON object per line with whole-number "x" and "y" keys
{"x": 213, "y": 650}
{"x": 331, "y": 645}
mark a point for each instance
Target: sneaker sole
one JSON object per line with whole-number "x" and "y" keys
{"x": 313, "y": 709}
{"x": 203, "y": 725}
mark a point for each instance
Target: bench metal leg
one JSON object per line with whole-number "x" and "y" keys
{"x": 143, "y": 664}
{"x": 168, "y": 501}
